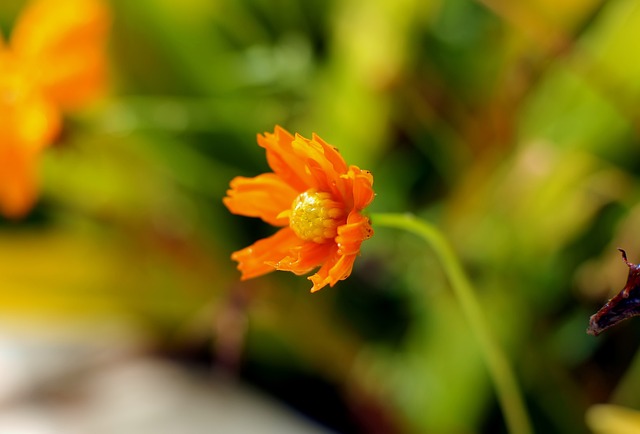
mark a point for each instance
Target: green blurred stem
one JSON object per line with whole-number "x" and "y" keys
{"x": 502, "y": 375}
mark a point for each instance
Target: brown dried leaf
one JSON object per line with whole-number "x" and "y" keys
{"x": 626, "y": 304}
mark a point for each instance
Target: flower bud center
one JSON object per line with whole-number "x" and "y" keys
{"x": 315, "y": 216}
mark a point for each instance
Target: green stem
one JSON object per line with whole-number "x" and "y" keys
{"x": 500, "y": 371}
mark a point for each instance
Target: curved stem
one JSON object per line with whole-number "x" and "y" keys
{"x": 509, "y": 396}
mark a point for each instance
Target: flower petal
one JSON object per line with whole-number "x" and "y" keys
{"x": 363, "y": 192}
{"x": 337, "y": 268}
{"x": 301, "y": 162}
{"x": 253, "y": 261}
{"x": 305, "y": 258}
{"x": 283, "y": 161}
{"x": 29, "y": 120}
{"x": 63, "y": 43}
{"x": 317, "y": 152}
{"x": 351, "y": 235}
{"x": 18, "y": 181}
{"x": 339, "y": 189}
{"x": 265, "y": 196}
{"x": 332, "y": 154}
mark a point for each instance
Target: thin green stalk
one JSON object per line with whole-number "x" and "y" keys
{"x": 509, "y": 396}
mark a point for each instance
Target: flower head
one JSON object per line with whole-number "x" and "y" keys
{"x": 54, "y": 62}
{"x": 315, "y": 198}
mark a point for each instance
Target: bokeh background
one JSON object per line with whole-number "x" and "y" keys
{"x": 512, "y": 126}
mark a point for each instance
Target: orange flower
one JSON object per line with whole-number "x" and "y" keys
{"x": 317, "y": 200}
{"x": 54, "y": 62}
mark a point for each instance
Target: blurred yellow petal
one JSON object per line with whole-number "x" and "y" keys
{"x": 29, "y": 119}
{"x": 613, "y": 419}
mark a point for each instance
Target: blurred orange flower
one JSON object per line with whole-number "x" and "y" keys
{"x": 54, "y": 62}
{"x": 317, "y": 200}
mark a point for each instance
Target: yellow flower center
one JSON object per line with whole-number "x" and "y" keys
{"x": 315, "y": 216}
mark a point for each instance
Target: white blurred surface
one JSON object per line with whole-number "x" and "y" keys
{"x": 68, "y": 387}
